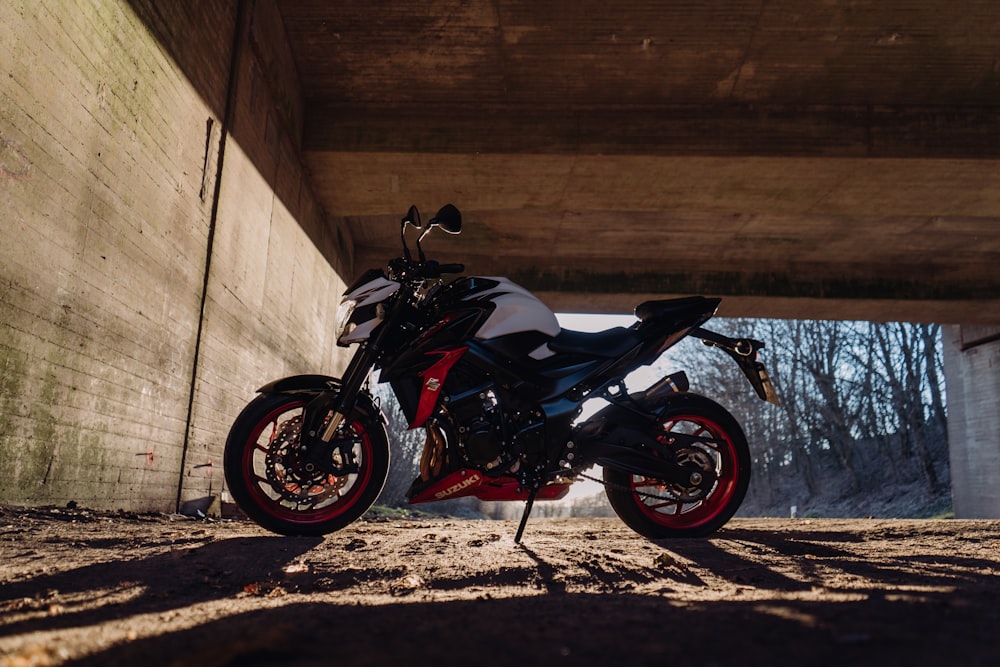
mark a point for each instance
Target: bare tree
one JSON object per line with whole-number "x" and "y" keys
{"x": 912, "y": 390}
{"x": 862, "y": 409}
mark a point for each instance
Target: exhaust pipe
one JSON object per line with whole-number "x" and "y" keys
{"x": 675, "y": 383}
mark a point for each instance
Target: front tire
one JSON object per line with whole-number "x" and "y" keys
{"x": 262, "y": 472}
{"x": 658, "y": 509}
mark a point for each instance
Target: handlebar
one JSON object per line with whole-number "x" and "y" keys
{"x": 426, "y": 269}
{"x": 432, "y": 269}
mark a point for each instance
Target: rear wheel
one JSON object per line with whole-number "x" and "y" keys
{"x": 274, "y": 484}
{"x": 661, "y": 509}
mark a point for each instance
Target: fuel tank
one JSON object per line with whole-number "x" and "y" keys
{"x": 514, "y": 309}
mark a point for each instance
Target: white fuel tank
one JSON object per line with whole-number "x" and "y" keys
{"x": 517, "y": 311}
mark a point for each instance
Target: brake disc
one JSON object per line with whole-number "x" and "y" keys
{"x": 286, "y": 472}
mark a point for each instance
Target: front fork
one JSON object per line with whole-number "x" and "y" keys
{"x": 320, "y": 446}
{"x": 343, "y": 402}
{"x": 358, "y": 370}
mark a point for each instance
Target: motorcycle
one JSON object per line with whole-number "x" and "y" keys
{"x": 498, "y": 386}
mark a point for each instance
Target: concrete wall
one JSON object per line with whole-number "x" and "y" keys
{"x": 152, "y": 273}
{"x": 972, "y": 371}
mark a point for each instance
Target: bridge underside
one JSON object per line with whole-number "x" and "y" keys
{"x": 836, "y": 161}
{"x": 846, "y": 238}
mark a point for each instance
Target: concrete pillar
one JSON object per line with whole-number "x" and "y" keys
{"x": 972, "y": 374}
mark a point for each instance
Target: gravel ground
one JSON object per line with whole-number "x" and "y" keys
{"x": 82, "y": 587}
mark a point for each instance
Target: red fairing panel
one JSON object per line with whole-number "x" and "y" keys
{"x": 468, "y": 482}
{"x": 434, "y": 378}
{"x": 458, "y": 484}
{"x": 509, "y": 489}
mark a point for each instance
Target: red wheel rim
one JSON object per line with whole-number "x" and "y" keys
{"x": 268, "y": 498}
{"x": 660, "y": 502}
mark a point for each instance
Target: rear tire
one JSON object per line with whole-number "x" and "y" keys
{"x": 264, "y": 478}
{"x": 658, "y": 509}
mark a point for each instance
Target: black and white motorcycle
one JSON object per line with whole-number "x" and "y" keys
{"x": 484, "y": 368}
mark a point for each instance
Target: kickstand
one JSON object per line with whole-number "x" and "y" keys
{"x": 524, "y": 516}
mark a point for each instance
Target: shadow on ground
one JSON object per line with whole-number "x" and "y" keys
{"x": 453, "y": 592}
{"x": 583, "y": 629}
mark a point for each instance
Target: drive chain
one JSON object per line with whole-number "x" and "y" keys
{"x": 622, "y": 487}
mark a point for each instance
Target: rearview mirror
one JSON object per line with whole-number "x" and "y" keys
{"x": 448, "y": 218}
{"x": 412, "y": 217}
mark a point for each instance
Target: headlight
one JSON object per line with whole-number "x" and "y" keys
{"x": 344, "y": 312}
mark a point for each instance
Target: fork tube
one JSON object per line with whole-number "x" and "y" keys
{"x": 354, "y": 377}
{"x": 357, "y": 371}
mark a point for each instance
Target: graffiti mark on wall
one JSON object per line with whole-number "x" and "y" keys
{"x": 13, "y": 162}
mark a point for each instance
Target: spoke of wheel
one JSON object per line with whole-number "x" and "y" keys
{"x": 270, "y": 438}
{"x": 666, "y": 503}
{"x": 708, "y": 439}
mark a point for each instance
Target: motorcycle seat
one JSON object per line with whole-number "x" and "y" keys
{"x": 675, "y": 309}
{"x": 611, "y": 343}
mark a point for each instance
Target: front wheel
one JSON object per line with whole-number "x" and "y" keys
{"x": 267, "y": 475}
{"x": 661, "y": 509}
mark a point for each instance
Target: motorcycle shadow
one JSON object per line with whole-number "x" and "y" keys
{"x": 663, "y": 567}
{"x": 790, "y": 561}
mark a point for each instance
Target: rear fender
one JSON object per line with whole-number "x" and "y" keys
{"x": 744, "y": 353}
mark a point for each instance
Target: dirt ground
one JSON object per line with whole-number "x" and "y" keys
{"x": 80, "y": 587}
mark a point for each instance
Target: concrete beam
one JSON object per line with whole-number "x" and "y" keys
{"x": 720, "y": 129}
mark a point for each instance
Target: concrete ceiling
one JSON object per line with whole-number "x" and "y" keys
{"x": 802, "y": 158}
